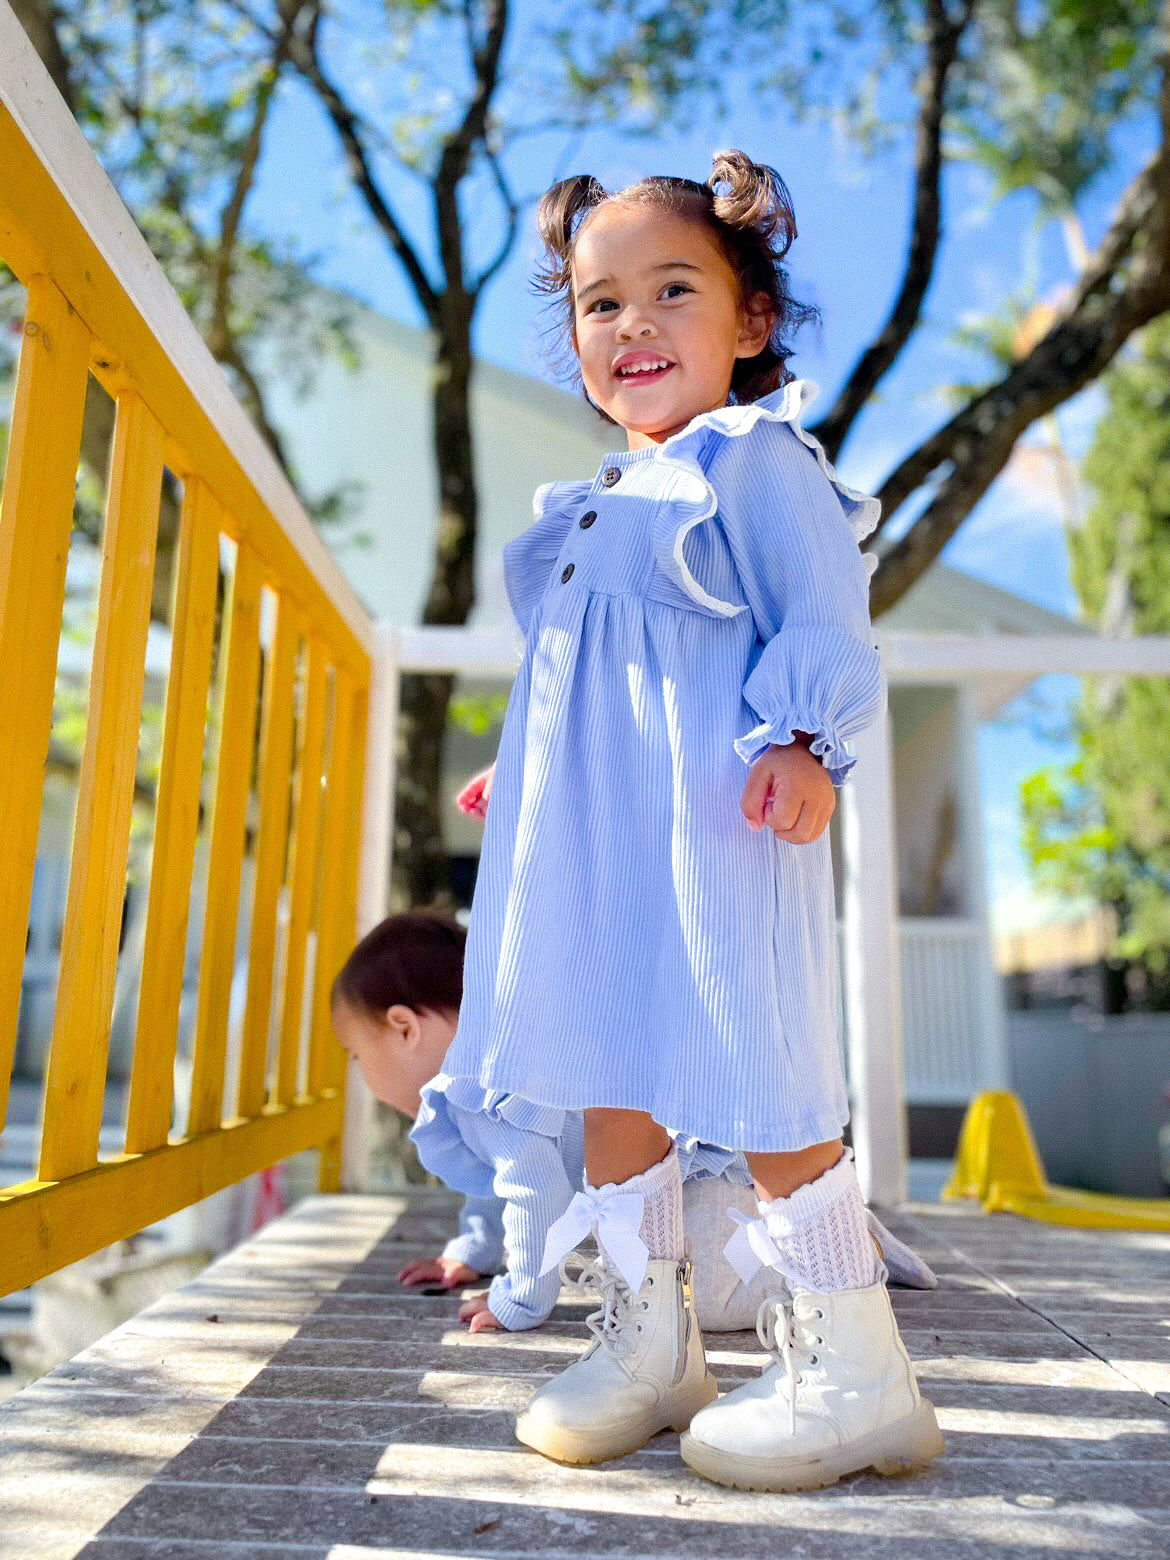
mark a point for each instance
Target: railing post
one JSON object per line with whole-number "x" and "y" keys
{"x": 993, "y": 1065}
{"x": 377, "y": 836}
{"x": 873, "y": 999}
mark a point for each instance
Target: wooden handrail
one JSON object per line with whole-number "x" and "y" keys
{"x": 293, "y": 665}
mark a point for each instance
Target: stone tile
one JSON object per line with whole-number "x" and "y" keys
{"x": 330, "y": 1411}
{"x": 595, "y": 1513}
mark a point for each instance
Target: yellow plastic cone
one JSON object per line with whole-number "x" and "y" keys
{"x": 998, "y": 1164}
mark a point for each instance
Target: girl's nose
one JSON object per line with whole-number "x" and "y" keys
{"x": 634, "y": 325}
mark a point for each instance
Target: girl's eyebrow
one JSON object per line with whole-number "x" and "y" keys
{"x": 666, "y": 265}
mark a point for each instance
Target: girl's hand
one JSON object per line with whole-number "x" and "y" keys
{"x": 442, "y": 1271}
{"x": 476, "y": 1312}
{"x": 473, "y": 798}
{"x": 789, "y": 791}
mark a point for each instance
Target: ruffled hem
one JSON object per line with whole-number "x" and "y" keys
{"x": 693, "y": 499}
{"x": 440, "y": 1144}
{"x": 698, "y": 1160}
{"x": 825, "y": 745}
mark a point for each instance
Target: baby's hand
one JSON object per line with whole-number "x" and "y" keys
{"x": 442, "y": 1271}
{"x": 480, "y": 1317}
{"x": 790, "y": 792}
{"x": 473, "y": 798}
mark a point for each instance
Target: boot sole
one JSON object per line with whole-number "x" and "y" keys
{"x": 899, "y": 1448}
{"x": 565, "y": 1445}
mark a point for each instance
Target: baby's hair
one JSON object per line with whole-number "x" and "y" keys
{"x": 415, "y": 958}
{"x": 748, "y": 209}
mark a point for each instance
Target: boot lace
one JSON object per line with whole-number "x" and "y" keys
{"x": 612, "y": 1324}
{"x": 784, "y": 1338}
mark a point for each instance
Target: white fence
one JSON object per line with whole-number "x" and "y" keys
{"x": 951, "y": 1017}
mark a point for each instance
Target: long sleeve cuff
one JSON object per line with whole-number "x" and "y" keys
{"x": 817, "y": 679}
{"x": 484, "y": 1256}
{"x": 515, "y": 1314}
{"x": 825, "y": 745}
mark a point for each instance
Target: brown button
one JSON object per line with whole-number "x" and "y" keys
{"x": 610, "y": 475}
{"x": 588, "y": 519}
{"x": 568, "y": 570}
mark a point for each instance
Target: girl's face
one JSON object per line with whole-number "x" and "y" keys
{"x": 397, "y": 1051}
{"x": 657, "y": 319}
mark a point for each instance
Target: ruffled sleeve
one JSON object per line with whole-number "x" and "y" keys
{"x": 529, "y": 557}
{"x": 793, "y": 531}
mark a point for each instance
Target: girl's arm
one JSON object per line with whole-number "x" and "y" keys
{"x": 476, "y": 1249}
{"x": 532, "y": 1183}
{"x": 474, "y": 797}
{"x": 480, "y": 1241}
{"x": 802, "y": 573}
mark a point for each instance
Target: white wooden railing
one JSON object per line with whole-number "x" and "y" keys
{"x": 951, "y": 1014}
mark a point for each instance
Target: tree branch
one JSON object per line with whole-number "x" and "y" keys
{"x": 943, "y": 39}
{"x": 305, "y": 57}
{"x": 513, "y": 208}
{"x": 1126, "y": 285}
{"x": 458, "y": 147}
{"x": 219, "y": 333}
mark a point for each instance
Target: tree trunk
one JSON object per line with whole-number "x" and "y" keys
{"x": 420, "y": 875}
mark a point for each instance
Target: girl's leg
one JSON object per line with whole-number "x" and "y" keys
{"x": 646, "y": 1370}
{"x": 627, "y": 1151}
{"x": 812, "y": 1205}
{"x": 779, "y": 1175}
{"x": 621, "y": 1143}
{"x": 842, "y": 1394}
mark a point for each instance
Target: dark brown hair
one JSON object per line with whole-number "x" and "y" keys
{"x": 748, "y": 209}
{"x": 415, "y": 958}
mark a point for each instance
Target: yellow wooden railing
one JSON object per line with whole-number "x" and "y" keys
{"x": 309, "y": 753}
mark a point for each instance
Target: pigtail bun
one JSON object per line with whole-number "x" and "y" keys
{"x": 753, "y": 196}
{"x": 557, "y": 219}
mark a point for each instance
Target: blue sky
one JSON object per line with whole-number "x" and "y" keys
{"x": 853, "y": 220}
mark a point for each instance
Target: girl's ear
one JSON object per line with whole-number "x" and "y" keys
{"x": 756, "y": 322}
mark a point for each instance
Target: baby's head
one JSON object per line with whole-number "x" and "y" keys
{"x": 675, "y": 272}
{"x": 396, "y": 1003}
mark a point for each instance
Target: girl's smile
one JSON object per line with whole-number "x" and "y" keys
{"x": 658, "y": 319}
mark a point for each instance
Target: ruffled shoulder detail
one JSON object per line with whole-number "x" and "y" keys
{"x": 529, "y": 557}
{"x": 691, "y": 499}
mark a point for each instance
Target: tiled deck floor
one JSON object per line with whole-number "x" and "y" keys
{"x": 296, "y": 1402}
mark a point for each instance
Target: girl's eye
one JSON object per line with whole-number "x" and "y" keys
{"x": 600, "y": 305}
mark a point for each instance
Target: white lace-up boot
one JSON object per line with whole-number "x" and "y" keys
{"x": 840, "y": 1397}
{"x": 645, "y": 1370}
{"x": 722, "y": 1302}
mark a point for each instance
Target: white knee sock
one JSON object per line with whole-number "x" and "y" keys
{"x": 662, "y": 1212}
{"x": 822, "y": 1234}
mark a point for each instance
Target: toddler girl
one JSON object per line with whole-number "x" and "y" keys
{"x": 652, "y": 938}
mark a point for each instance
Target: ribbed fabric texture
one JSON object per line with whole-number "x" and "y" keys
{"x": 822, "y": 1232}
{"x": 662, "y": 1212}
{"x": 632, "y": 942}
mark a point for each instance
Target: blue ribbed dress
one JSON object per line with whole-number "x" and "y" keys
{"x": 633, "y": 942}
